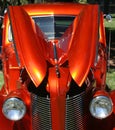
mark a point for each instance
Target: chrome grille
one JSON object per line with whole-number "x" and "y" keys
{"x": 75, "y": 113}
{"x": 41, "y": 115}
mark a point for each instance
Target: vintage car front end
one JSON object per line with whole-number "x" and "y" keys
{"x": 54, "y": 66}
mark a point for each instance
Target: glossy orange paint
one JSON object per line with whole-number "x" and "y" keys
{"x": 58, "y": 87}
{"x": 102, "y": 38}
{"x": 29, "y": 44}
{"x": 80, "y": 68}
{"x": 10, "y": 65}
{"x": 54, "y": 8}
{"x": 29, "y": 59}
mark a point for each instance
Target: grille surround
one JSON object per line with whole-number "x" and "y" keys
{"x": 76, "y": 112}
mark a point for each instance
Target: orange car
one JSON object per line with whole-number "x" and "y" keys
{"x": 54, "y": 66}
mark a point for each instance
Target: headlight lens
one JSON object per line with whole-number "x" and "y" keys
{"x": 14, "y": 109}
{"x": 101, "y": 107}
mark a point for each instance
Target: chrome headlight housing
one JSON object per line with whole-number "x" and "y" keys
{"x": 14, "y": 109}
{"x": 101, "y": 107}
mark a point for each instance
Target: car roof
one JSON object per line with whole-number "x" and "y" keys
{"x": 55, "y": 8}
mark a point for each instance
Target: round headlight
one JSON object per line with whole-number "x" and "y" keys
{"x": 14, "y": 109}
{"x": 101, "y": 107}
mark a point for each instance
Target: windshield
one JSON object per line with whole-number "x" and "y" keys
{"x": 53, "y": 26}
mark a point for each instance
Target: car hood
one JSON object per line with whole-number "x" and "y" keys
{"x": 25, "y": 39}
{"x": 79, "y": 43}
{"x": 82, "y": 52}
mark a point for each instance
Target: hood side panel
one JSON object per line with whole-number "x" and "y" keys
{"x": 28, "y": 44}
{"x": 82, "y": 51}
